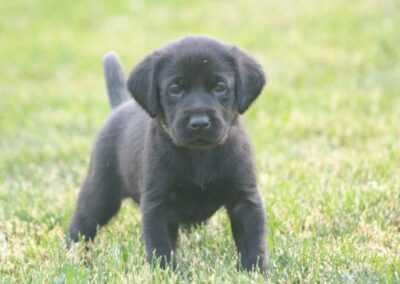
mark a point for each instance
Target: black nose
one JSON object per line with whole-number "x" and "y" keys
{"x": 199, "y": 121}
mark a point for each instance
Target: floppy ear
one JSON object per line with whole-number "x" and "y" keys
{"x": 250, "y": 79}
{"x": 142, "y": 84}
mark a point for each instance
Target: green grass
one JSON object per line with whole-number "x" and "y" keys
{"x": 326, "y": 134}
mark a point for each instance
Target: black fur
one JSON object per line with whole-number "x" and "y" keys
{"x": 185, "y": 156}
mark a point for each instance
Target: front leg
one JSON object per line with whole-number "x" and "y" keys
{"x": 158, "y": 233}
{"x": 248, "y": 223}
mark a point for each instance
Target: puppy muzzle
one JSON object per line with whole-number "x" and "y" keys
{"x": 198, "y": 130}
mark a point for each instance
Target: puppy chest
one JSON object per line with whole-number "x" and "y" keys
{"x": 192, "y": 204}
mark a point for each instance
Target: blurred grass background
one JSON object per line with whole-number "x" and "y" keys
{"x": 325, "y": 131}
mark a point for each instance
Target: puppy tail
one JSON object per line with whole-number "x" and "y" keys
{"x": 115, "y": 79}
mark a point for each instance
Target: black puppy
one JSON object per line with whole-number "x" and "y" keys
{"x": 183, "y": 152}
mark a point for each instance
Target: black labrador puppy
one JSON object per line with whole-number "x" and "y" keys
{"x": 181, "y": 152}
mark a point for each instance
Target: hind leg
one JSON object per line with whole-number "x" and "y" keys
{"x": 98, "y": 201}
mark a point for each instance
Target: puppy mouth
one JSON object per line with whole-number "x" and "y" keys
{"x": 200, "y": 142}
{"x": 201, "y": 139}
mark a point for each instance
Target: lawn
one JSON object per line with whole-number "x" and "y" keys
{"x": 325, "y": 132}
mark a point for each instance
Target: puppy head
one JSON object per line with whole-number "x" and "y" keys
{"x": 196, "y": 87}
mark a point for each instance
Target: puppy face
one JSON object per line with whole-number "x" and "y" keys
{"x": 195, "y": 88}
{"x": 197, "y": 96}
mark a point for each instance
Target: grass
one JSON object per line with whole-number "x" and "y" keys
{"x": 325, "y": 132}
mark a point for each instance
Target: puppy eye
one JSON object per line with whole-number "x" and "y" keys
{"x": 220, "y": 88}
{"x": 175, "y": 90}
